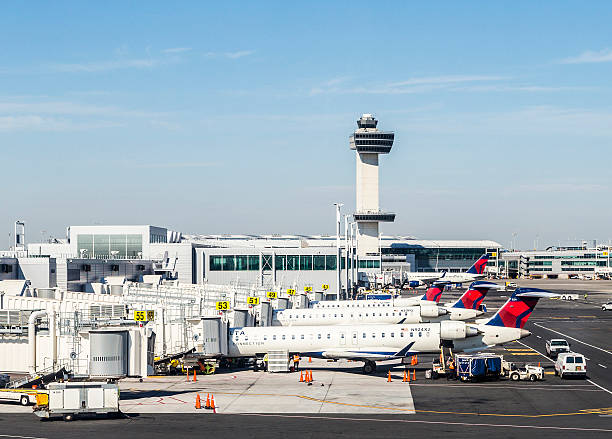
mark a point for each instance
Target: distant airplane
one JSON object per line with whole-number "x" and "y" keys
{"x": 371, "y": 343}
{"x": 399, "y": 310}
{"x": 475, "y": 272}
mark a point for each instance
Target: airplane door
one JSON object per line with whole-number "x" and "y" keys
{"x": 342, "y": 338}
{"x": 354, "y": 338}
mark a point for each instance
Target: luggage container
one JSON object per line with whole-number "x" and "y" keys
{"x": 478, "y": 367}
{"x": 71, "y": 399}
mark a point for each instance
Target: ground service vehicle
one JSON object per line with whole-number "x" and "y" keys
{"x": 606, "y": 306}
{"x": 70, "y": 399}
{"x": 528, "y": 372}
{"x": 571, "y": 364}
{"x": 556, "y": 346}
{"x": 23, "y": 396}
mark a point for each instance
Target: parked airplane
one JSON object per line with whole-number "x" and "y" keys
{"x": 427, "y": 311}
{"x": 433, "y": 294}
{"x": 371, "y": 343}
{"x": 475, "y": 272}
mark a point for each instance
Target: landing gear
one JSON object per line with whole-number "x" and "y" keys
{"x": 369, "y": 367}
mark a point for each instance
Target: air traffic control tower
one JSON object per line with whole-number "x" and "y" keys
{"x": 369, "y": 142}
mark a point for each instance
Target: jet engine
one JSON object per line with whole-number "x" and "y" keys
{"x": 432, "y": 311}
{"x": 453, "y": 330}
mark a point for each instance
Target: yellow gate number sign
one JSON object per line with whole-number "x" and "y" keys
{"x": 253, "y": 300}
{"x": 325, "y": 287}
{"x": 291, "y": 291}
{"x": 308, "y": 289}
{"x": 271, "y": 294}
{"x": 222, "y": 305}
{"x": 140, "y": 316}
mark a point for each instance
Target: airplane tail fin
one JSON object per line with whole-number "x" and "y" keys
{"x": 434, "y": 292}
{"x": 515, "y": 312}
{"x": 475, "y": 294}
{"x": 479, "y": 265}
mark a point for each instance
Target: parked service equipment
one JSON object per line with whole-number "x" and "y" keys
{"x": 556, "y": 346}
{"x": 278, "y": 361}
{"x": 71, "y": 399}
{"x": 569, "y": 297}
{"x": 528, "y": 372}
{"x": 478, "y": 367}
{"x": 23, "y": 396}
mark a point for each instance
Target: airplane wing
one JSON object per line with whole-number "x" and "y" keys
{"x": 374, "y": 353}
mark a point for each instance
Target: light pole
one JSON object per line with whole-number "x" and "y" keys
{"x": 338, "y": 252}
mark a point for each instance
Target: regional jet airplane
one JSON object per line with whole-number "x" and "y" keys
{"x": 475, "y": 272}
{"x": 371, "y": 343}
{"x": 467, "y": 307}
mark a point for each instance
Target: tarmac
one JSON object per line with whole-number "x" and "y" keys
{"x": 343, "y": 402}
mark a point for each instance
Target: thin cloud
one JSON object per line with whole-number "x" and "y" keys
{"x": 590, "y": 56}
{"x": 41, "y": 123}
{"x": 175, "y": 165}
{"x": 563, "y": 187}
{"x": 451, "y": 79}
{"x": 177, "y": 50}
{"x": 230, "y": 55}
{"x": 103, "y": 66}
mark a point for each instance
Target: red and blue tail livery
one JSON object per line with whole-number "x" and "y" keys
{"x": 480, "y": 265}
{"x": 434, "y": 292}
{"x": 475, "y": 294}
{"x": 518, "y": 308}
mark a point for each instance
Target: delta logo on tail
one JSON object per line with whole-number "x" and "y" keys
{"x": 480, "y": 265}
{"x": 475, "y": 294}
{"x": 518, "y": 308}
{"x": 434, "y": 292}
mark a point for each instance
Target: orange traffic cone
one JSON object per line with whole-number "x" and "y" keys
{"x": 310, "y": 359}
{"x": 408, "y": 380}
{"x": 389, "y": 377}
{"x": 310, "y": 376}
{"x": 416, "y": 360}
{"x": 539, "y": 365}
{"x": 414, "y": 375}
{"x": 207, "y": 406}
{"x": 194, "y": 376}
{"x": 198, "y": 402}
{"x": 301, "y": 377}
{"x": 404, "y": 379}
{"x": 212, "y": 403}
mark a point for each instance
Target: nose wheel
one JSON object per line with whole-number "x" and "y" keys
{"x": 369, "y": 367}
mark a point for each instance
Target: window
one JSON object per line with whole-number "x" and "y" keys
{"x": 283, "y": 337}
{"x": 279, "y": 261}
{"x": 319, "y": 262}
{"x": 293, "y": 337}
{"x": 578, "y": 359}
{"x": 306, "y": 262}
{"x": 274, "y": 337}
{"x": 319, "y": 336}
{"x": 411, "y": 334}
{"x": 241, "y": 263}
{"x": 265, "y": 337}
{"x": 401, "y": 334}
{"x": 420, "y": 334}
{"x": 302, "y": 336}
{"x": 330, "y": 262}
{"x": 569, "y": 360}
{"x": 85, "y": 245}
{"x": 373, "y": 335}
{"x": 364, "y": 335}
{"x": 293, "y": 262}
{"x": 134, "y": 245}
{"x": 383, "y": 335}
{"x": 101, "y": 245}
{"x": 253, "y": 262}
{"x": 118, "y": 246}
{"x": 227, "y": 263}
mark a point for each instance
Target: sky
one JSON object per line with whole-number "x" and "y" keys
{"x": 234, "y": 117}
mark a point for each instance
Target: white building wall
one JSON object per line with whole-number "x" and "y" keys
{"x": 367, "y": 182}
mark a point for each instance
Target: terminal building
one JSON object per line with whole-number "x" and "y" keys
{"x": 558, "y": 263}
{"x": 91, "y": 256}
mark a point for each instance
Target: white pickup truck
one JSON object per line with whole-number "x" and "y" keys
{"x": 556, "y": 346}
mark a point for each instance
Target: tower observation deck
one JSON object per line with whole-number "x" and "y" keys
{"x": 369, "y": 142}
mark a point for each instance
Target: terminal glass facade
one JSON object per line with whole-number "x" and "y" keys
{"x": 282, "y": 262}
{"x": 109, "y": 246}
{"x": 433, "y": 258}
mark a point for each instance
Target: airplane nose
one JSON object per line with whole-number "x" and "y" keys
{"x": 525, "y": 333}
